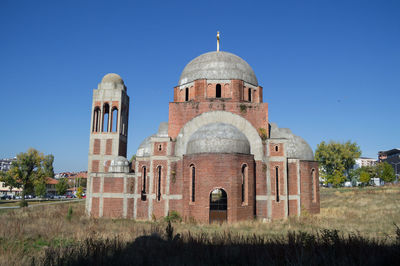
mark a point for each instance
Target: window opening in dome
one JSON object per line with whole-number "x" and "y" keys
{"x": 218, "y": 91}
{"x": 159, "y": 183}
{"x": 106, "y": 117}
{"x": 186, "y": 94}
{"x": 249, "y": 94}
{"x": 114, "y": 119}
{"x": 277, "y": 183}
{"x": 193, "y": 198}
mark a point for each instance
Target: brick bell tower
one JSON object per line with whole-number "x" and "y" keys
{"x": 109, "y": 123}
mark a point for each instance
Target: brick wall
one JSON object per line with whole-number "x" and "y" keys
{"x": 278, "y": 207}
{"x": 307, "y": 202}
{"x": 95, "y": 207}
{"x": 96, "y": 146}
{"x": 218, "y": 171}
{"x": 96, "y": 185}
{"x": 109, "y": 146}
{"x": 95, "y": 166}
{"x": 113, "y": 185}
{"x": 112, "y": 207}
{"x": 160, "y": 148}
{"x": 292, "y": 179}
{"x": 181, "y": 113}
{"x": 276, "y": 149}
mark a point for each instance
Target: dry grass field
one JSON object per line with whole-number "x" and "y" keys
{"x": 355, "y": 226}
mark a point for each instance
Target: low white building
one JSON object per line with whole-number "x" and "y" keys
{"x": 364, "y": 161}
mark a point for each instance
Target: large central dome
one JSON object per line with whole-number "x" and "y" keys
{"x": 219, "y": 66}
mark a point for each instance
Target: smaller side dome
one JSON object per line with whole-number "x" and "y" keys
{"x": 296, "y": 146}
{"x": 112, "y": 81}
{"x": 218, "y": 138}
{"x": 119, "y": 165}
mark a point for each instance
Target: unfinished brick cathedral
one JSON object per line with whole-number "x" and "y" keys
{"x": 218, "y": 158}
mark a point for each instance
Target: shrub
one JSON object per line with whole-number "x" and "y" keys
{"x": 69, "y": 213}
{"x": 173, "y": 216}
{"x": 263, "y": 133}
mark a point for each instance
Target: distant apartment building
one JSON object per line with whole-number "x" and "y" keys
{"x": 364, "y": 161}
{"x": 393, "y": 158}
{"x": 5, "y": 164}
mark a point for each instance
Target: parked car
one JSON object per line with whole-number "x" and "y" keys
{"x": 6, "y": 197}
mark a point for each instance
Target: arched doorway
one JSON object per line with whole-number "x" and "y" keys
{"x": 218, "y": 206}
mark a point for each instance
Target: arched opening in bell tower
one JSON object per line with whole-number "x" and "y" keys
{"x": 106, "y": 117}
{"x": 114, "y": 119}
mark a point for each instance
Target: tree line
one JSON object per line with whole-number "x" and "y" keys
{"x": 336, "y": 162}
{"x": 30, "y": 172}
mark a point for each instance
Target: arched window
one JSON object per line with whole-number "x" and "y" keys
{"x": 96, "y": 119}
{"x": 159, "y": 183}
{"x": 144, "y": 177}
{"x": 244, "y": 183}
{"x": 249, "y": 94}
{"x": 276, "y": 148}
{"x": 218, "y": 91}
{"x": 193, "y": 187}
{"x": 277, "y": 183}
{"x": 187, "y": 94}
{"x": 106, "y": 117}
{"x": 114, "y": 119}
{"x": 144, "y": 173}
{"x": 313, "y": 184}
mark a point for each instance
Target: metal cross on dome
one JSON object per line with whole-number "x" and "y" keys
{"x": 217, "y": 41}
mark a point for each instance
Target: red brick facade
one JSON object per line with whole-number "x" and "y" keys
{"x": 263, "y": 184}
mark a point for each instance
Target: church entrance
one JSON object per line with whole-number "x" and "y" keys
{"x": 218, "y": 206}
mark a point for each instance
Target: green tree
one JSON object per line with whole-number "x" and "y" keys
{"x": 365, "y": 177}
{"x": 29, "y": 168}
{"x": 336, "y": 160}
{"x": 40, "y": 189}
{"x": 355, "y": 174}
{"x": 62, "y": 186}
{"x": 337, "y": 178}
{"x": 385, "y": 172}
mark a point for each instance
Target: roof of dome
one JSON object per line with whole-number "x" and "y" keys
{"x": 112, "y": 78}
{"x": 119, "y": 165}
{"x": 296, "y": 146}
{"x": 119, "y": 160}
{"x": 218, "y": 65}
{"x": 145, "y": 147}
{"x": 218, "y": 138}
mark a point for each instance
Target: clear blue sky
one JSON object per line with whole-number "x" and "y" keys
{"x": 330, "y": 69}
